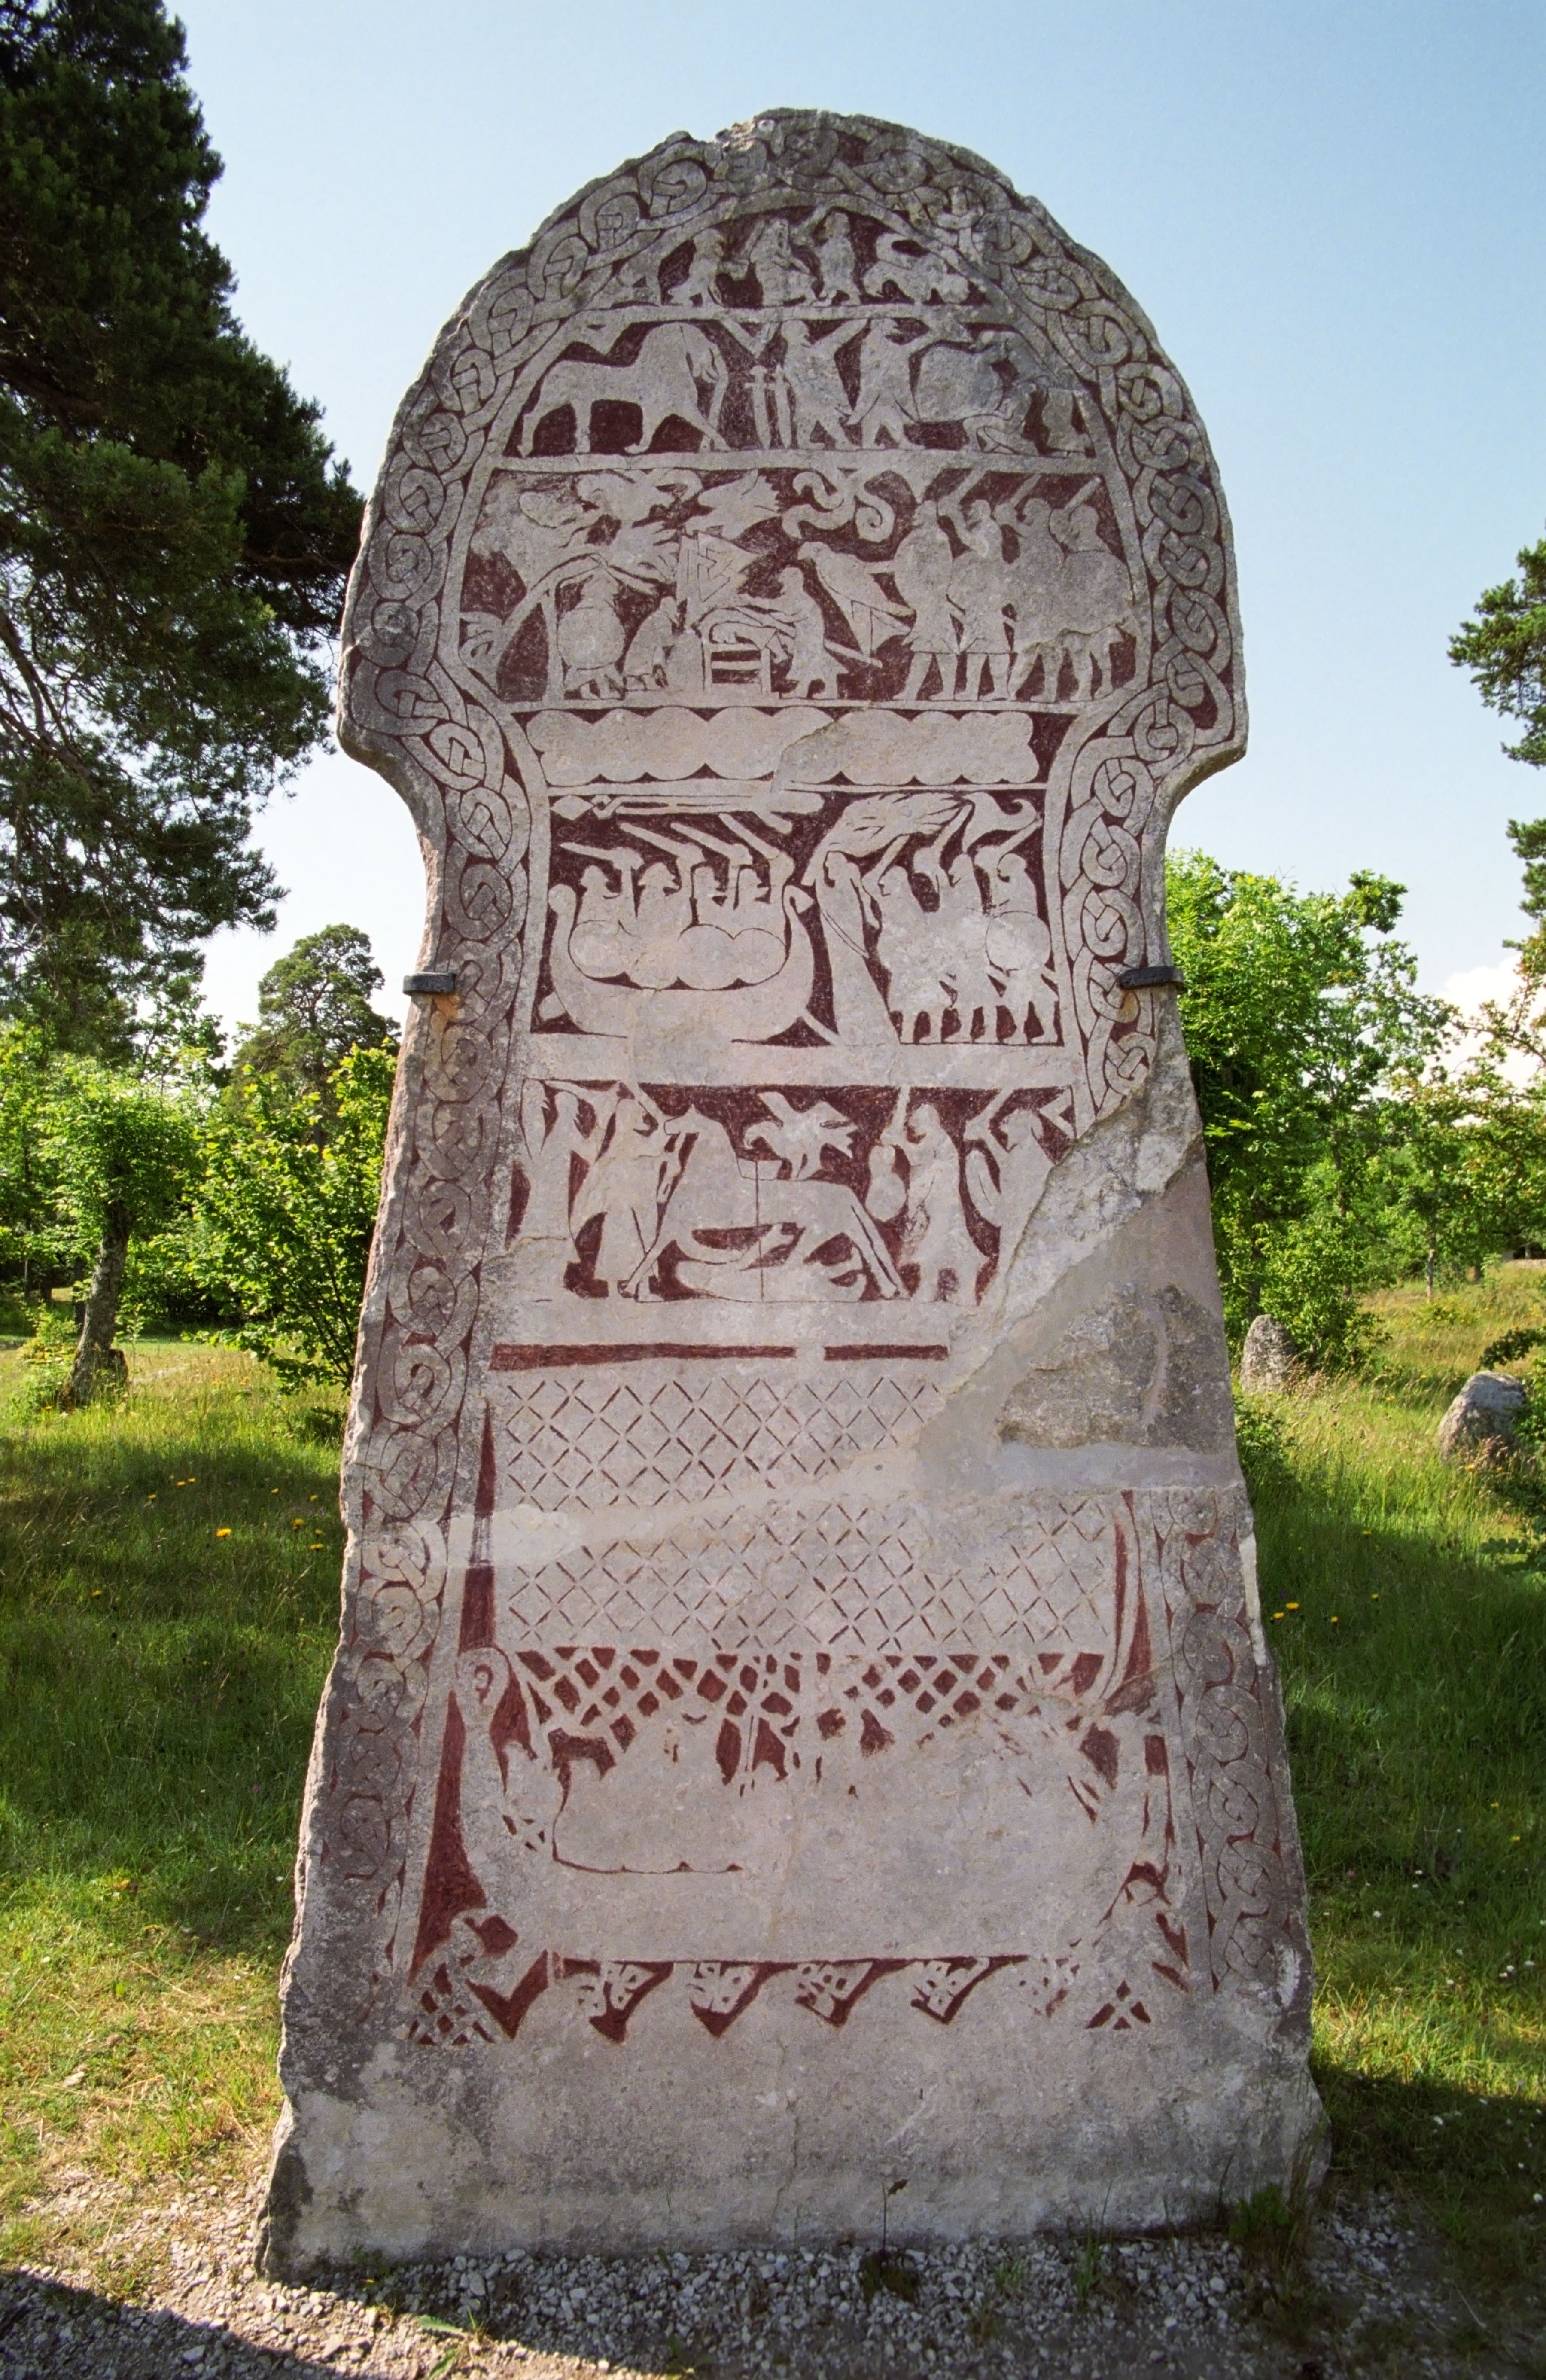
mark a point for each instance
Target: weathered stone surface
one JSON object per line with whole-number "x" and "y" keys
{"x": 1267, "y": 1359}
{"x": 1483, "y": 1419}
{"x": 1140, "y": 1371}
{"x": 802, "y": 1719}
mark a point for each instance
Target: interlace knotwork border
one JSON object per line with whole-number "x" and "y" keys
{"x": 403, "y": 710}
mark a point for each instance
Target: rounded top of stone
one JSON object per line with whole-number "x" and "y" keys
{"x": 832, "y": 387}
{"x": 1494, "y": 1388}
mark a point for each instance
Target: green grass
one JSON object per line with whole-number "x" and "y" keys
{"x": 168, "y": 1601}
{"x": 161, "y": 1679}
{"x": 1405, "y": 1600}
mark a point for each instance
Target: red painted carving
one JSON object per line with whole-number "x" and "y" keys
{"x": 718, "y": 1993}
{"x": 929, "y": 1353}
{"x": 509, "y": 2009}
{"x": 843, "y": 489}
{"x": 554, "y": 1358}
{"x": 832, "y": 1988}
{"x": 450, "y": 1885}
{"x": 945, "y": 1984}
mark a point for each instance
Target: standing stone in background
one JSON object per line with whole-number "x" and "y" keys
{"x": 802, "y": 1722}
{"x": 1483, "y": 1419}
{"x": 1267, "y": 1357}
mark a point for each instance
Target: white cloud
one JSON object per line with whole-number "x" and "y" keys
{"x": 1473, "y": 986}
{"x": 1469, "y": 991}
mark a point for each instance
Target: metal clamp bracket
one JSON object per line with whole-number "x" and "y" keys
{"x": 1152, "y": 978}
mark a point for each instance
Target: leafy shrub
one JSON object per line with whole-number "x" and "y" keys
{"x": 285, "y": 1215}
{"x": 1312, "y": 1280}
{"x": 1262, "y": 1442}
{"x": 1510, "y": 1347}
{"x": 46, "y": 1357}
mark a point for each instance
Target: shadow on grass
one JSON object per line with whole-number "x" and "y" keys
{"x": 1477, "y": 2165}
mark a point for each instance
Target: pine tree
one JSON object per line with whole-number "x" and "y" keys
{"x": 174, "y": 533}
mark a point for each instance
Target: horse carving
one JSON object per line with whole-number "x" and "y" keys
{"x": 679, "y": 374}
{"x": 741, "y": 1231}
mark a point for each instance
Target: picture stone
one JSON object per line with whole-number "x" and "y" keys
{"x": 802, "y": 1721}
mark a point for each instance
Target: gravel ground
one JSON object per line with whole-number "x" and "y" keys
{"x": 1366, "y": 2298}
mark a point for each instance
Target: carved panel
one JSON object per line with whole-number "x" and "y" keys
{"x": 795, "y": 595}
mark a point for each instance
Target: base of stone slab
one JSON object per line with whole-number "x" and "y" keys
{"x": 803, "y": 2141}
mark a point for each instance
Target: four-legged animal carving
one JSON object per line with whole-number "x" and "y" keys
{"x": 758, "y": 1232}
{"x": 675, "y": 367}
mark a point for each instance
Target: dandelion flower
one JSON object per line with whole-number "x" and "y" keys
{"x": 223, "y": 1533}
{"x": 1290, "y": 1606}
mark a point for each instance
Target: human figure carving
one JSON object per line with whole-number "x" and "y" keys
{"x": 978, "y": 593}
{"x": 644, "y": 663}
{"x": 701, "y": 286}
{"x": 921, "y": 570}
{"x": 935, "y": 1235}
{"x": 815, "y": 383}
{"x": 591, "y": 636}
{"x": 624, "y": 1186}
{"x": 1071, "y": 596}
{"x": 909, "y": 954}
{"x": 1034, "y": 597}
{"x": 886, "y": 1193}
{"x": 812, "y": 668}
{"x": 886, "y": 402}
{"x": 548, "y": 1151}
{"x": 1097, "y": 595}
{"x": 1018, "y": 947}
{"x": 835, "y": 257}
{"x": 1007, "y": 1168}
{"x": 782, "y": 279}
{"x": 960, "y": 932}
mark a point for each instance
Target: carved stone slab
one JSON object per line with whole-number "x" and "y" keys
{"x": 802, "y": 1720}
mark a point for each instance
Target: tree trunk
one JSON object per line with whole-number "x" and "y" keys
{"x": 99, "y": 1365}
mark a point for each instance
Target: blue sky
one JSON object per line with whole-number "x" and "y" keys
{"x": 1332, "y": 214}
